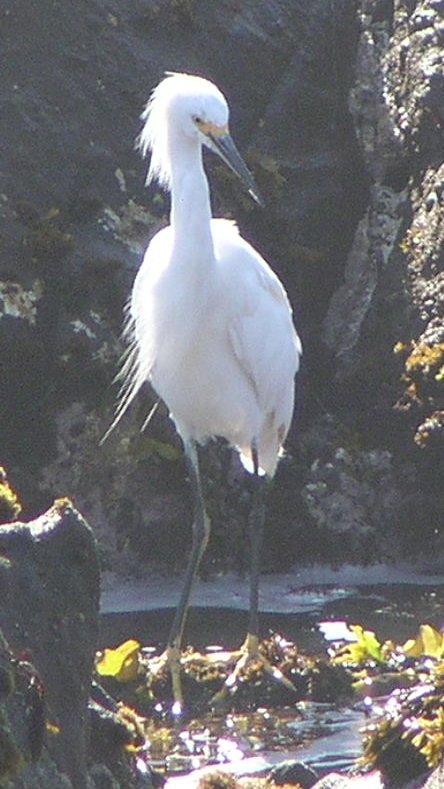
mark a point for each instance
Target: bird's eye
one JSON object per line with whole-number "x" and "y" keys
{"x": 197, "y": 119}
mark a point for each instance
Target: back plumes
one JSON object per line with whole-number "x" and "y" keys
{"x": 154, "y": 135}
{"x": 169, "y": 111}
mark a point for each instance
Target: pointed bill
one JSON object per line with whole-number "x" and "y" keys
{"x": 223, "y": 145}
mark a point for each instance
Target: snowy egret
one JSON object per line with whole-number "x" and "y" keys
{"x": 209, "y": 323}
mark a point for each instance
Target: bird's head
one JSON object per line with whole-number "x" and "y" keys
{"x": 193, "y": 107}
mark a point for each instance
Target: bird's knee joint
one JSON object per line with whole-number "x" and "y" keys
{"x": 201, "y": 530}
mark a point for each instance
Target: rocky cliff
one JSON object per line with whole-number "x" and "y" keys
{"x": 338, "y": 109}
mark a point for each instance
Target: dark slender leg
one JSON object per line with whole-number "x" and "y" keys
{"x": 257, "y": 521}
{"x": 256, "y": 527}
{"x": 201, "y": 533}
{"x": 250, "y": 649}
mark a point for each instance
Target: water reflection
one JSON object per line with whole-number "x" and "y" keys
{"x": 322, "y": 735}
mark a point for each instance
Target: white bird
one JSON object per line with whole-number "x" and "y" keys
{"x": 210, "y": 325}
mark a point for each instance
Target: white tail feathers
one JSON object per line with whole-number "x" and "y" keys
{"x": 130, "y": 375}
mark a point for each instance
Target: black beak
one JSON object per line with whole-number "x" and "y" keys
{"x": 224, "y": 146}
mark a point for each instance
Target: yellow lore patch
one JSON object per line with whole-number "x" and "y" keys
{"x": 211, "y": 129}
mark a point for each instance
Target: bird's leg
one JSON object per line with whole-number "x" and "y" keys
{"x": 250, "y": 648}
{"x": 201, "y": 533}
{"x": 256, "y": 527}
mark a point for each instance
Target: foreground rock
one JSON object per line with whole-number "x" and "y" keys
{"x": 49, "y": 592}
{"x": 57, "y": 730}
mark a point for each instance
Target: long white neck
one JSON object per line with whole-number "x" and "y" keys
{"x": 190, "y": 198}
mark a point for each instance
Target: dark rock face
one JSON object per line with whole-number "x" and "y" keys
{"x": 392, "y": 290}
{"x": 339, "y": 115}
{"x": 49, "y": 588}
{"x": 25, "y": 762}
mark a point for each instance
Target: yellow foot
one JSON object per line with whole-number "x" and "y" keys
{"x": 173, "y": 657}
{"x": 170, "y": 659}
{"x": 250, "y": 655}
{"x": 237, "y": 667}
